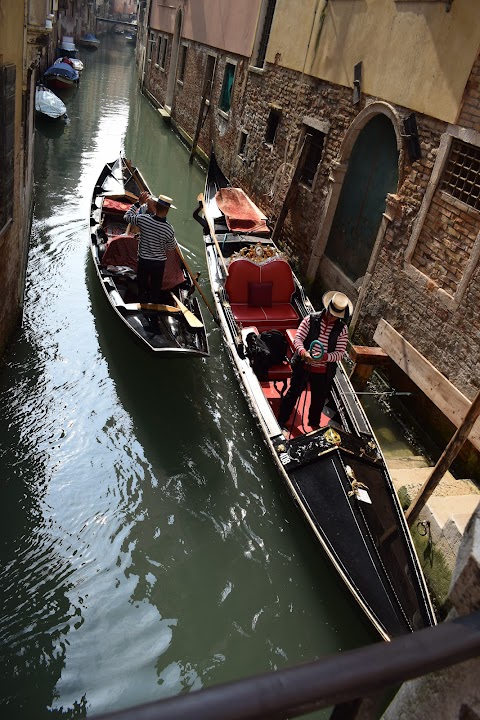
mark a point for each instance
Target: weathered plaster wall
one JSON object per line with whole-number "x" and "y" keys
{"x": 225, "y": 24}
{"x": 414, "y": 54}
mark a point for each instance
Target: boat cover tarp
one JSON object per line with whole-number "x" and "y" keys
{"x": 241, "y": 214}
{"x": 122, "y": 251}
{"x": 48, "y": 103}
{"x": 62, "y": 70}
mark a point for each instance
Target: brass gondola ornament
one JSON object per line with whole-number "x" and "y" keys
{"x": 332, "y": 436}
{"x": 359, "y": 490}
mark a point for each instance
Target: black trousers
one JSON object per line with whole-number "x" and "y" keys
{"x": 319, "y": 389}
{"x": 149, "y": 280}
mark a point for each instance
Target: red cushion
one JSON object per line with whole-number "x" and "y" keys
{"x": 241, "y": 272}
{"x": 247, "y": 315}
{"x": 260, "y": 294}
{"x": 282, "y": 311}
{"x": 278, "y": 272}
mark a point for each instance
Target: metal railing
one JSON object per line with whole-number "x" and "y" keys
{"x": 340, "y": 681}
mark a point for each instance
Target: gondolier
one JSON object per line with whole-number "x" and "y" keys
{"x": 156, "y": 236}
{"x": 320, "y": 343}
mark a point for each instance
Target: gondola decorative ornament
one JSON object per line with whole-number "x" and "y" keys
{"x": 332, "y": 437}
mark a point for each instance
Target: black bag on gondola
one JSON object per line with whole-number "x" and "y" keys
{"x": 259, "y": 355}
{"x": 264, "y": 350}
{"x": 277, "y": 344}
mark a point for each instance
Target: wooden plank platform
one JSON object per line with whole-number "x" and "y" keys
{"x": 453, "y": 404}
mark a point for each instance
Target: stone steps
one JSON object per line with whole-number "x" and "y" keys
{"x": 449, "y": 508}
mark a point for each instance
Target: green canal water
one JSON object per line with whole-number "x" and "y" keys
{"x": 148, "y": 547}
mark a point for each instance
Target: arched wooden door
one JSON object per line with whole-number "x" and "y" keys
{"x": 372, "y": 173}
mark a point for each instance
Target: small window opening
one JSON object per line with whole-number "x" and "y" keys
{"x": 314, "y": 155}
{"x": 151, "y": 45}
{"x": 182, "y": 63}
{"x": 267, "y": 26}
{"x": 227, "y": 87}
{"x": 272, "y": 125}
{"x": 243, "y": 143}
{"x": 164, "y": 53}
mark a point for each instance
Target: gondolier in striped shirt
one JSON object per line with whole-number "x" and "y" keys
{"x": 317, "y": 364}
{"x": 156, "y": 236}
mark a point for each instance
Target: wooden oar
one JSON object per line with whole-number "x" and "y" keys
{"x": 194, "y": 280}
{"x": 191, "y": 319}
{"x": 135, "y": 175}
{"x": 212, "y": 232}
{"x": 151, "y": 306}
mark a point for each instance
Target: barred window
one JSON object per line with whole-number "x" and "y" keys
{"x": 461, "y": 177}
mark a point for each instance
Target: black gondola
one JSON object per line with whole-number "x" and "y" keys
{"x": 172, "y": 328}
{"x": 337, "y": 474}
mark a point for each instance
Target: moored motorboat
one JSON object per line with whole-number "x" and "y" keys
{"x": 61, "y": 75}
{"x": 336, "y": 474}
{"x": 74, "y": 62}
{"x": 89, "y": 40}
{"x": 48, "y": 104}
{"x": 172, "y": 328}
{"x": 67, "y": 47}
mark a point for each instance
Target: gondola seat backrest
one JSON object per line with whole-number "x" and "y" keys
{"x": 261, "y": 293}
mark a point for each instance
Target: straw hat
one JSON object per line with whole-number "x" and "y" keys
{"x": 166, "y": 201}
{"x": 337, "y": 304}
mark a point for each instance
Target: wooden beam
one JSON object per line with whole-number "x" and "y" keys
{"x": 453, "y": 404}
{"x": 364, "y": 355}
{"x": 444, "y": 462}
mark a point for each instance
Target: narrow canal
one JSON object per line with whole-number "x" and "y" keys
{"x": 148, "y": 546}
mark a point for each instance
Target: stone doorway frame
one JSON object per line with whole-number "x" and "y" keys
{"x": 336, "y": 178}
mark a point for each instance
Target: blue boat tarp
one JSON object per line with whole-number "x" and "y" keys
{"x": 62, "y": 70}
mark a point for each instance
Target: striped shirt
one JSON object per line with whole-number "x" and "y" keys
{"x": 156, "y": 234}
{"x": 323, "y": 335}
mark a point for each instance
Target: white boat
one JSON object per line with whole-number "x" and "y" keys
{"x": 76, "y": 64}
{"x": 47, "y": 103}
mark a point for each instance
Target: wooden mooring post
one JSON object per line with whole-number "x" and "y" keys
{"x": 366, "y": 359}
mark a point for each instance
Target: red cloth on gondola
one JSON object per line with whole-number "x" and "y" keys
{"x": 241, "y": 214}
{"x": 122, "y": 251}
{"x": 116, "y": 205}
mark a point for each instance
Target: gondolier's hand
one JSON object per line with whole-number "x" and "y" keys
{"x": 143, "y": 197}
{"x": 306, "y": 357}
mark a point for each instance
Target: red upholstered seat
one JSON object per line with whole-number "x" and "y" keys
{"x": 242, "y": 273}
{"x": 247, "y": 315}
{"x": 279, "y": 273}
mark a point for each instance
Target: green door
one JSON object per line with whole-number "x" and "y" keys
{"x": 372, "y": 173}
